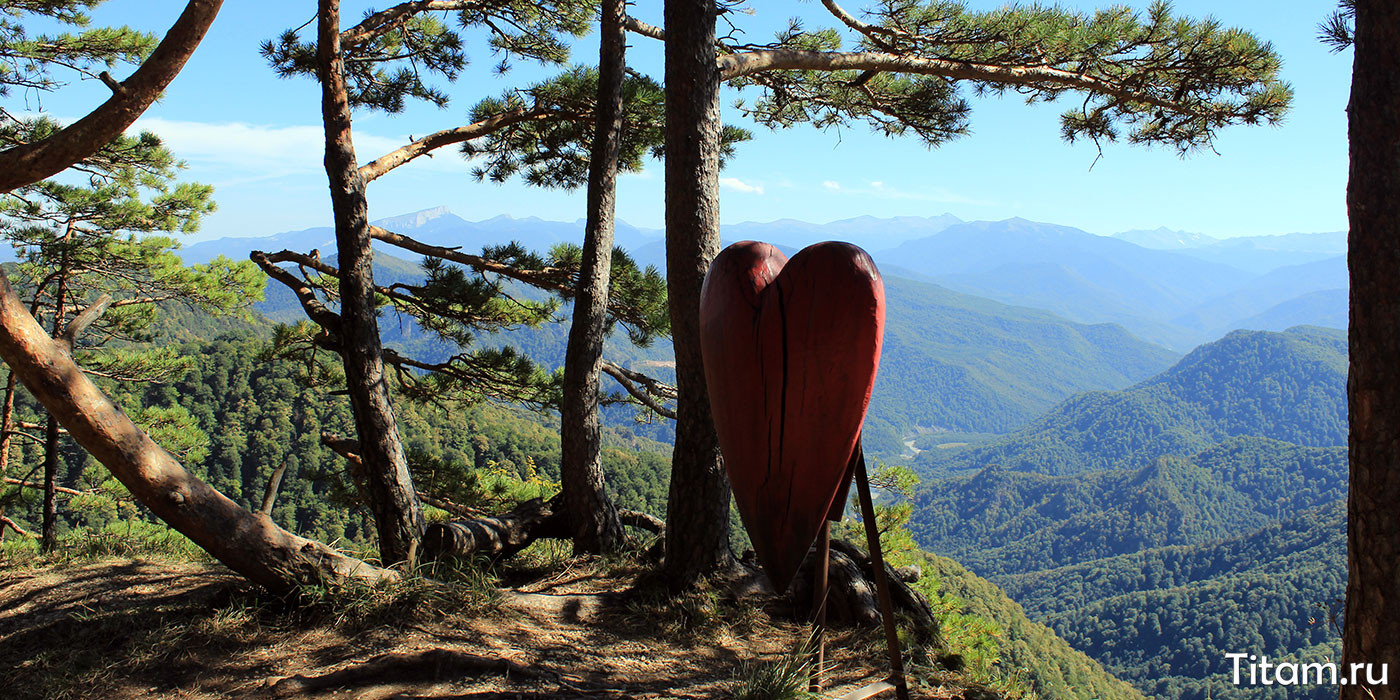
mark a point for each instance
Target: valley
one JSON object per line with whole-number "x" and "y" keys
{"x": 1140, "y": 438}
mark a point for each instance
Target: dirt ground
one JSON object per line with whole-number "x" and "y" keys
{"x": 125, "y": 628}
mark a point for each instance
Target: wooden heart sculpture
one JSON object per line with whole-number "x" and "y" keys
{"x": 791, "y": 348}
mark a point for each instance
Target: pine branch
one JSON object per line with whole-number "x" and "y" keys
{"x": 549, "y": 278}
{"x": 6, "y": 522}
{"x": 32, "y": 162}
{"x": 40, "y": 487}
{"x": 748, "y": 63}
{"x": 328, "y": 320}
{"x": 426, "y": 145}
{"x": 377, "y": 24}
{"x": 83, "y": 320}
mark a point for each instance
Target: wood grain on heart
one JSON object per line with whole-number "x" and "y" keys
{"x": 791, "y": 348}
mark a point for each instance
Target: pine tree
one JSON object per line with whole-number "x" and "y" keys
{"x": 543, "y": 131}
{"x": 1163, "y": 79}
{"x": 1373, "y": 252}
{"x": 251, "y": 545}
{"x": 90, "y": 264}
{"x": 592, "y": 515}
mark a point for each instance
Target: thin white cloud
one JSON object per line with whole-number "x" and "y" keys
{"x": 878, "y": 189}
{"x": 255, "y": 152}
{"x": 734, "y": 183}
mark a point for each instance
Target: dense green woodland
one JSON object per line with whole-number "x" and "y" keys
{"x": 1274, "y": 592}
{"x": 1197, "y": 513}
{"x": 250, "y": 414}
{"x": 1001, "y": 522}
{"x": 1288, "y": 386}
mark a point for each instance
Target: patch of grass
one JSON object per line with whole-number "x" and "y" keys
{"x": 433, "y": 591}
{"x": 702, "y": 614}
{"x": 133, "y": 539}
{"x": 546, "y": 554}
{"x": 102, "y": 642}
{"x": 786, "y": 678}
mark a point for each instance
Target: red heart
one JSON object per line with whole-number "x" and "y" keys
{"x": 791, "y": 348}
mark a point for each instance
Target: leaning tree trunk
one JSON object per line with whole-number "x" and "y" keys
{"x": 398, "y": 516}
{"x": 1373, "y": 387}
{"x": 247, "y": 543}
{"x": 596, "y": 528}
{"x": 697, "y": 515}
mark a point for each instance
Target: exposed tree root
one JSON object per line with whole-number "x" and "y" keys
{"x": 434, "y": 664}
{"x": 851, "y": 598}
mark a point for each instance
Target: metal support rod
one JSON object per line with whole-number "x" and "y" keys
{"x": 882, "y": 584}
{"x": 819, "y": 594}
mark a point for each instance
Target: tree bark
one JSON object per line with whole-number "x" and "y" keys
{"x": 49, "y": 529}
{"x": 498, "y": 536}
{"x": 397, "y": 513}
{"x": 30, "y": 163}
{"x": 595, "y": 525}
{"x": 1373, "y": 387}
{"x": 697, "y": 516}
{"x": 7, "y": 417}
{"x": 249, "y": 544}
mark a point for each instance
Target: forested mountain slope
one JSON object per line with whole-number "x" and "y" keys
{"x": 1197, "y": 513}
{"x": 1288, "y": 386}
{"x": 1277, "y": 592}
{"x": 1001, "y": 522}
{"x": 950, "y": 362}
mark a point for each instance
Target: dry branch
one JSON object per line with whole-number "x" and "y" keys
{"x": 40, "y": 487}
{"x": 432, "y": 665}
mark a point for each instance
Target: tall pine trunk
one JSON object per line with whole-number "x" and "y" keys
{"x": 1372, "y": 630}
{"x": 7, "y": 418}
{"x": 592, "y": 515}
{"x": 48, "y": 540}
{"x": 697, "y": 510}
{"x": 398, "y": 516}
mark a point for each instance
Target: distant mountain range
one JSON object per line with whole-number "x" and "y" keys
{"x": 1257, "y": 254}
{"x": 951, "y": 362}
{"x": 1172, "y": 288}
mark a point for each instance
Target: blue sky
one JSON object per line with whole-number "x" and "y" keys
{"x": 257, "y": 139}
